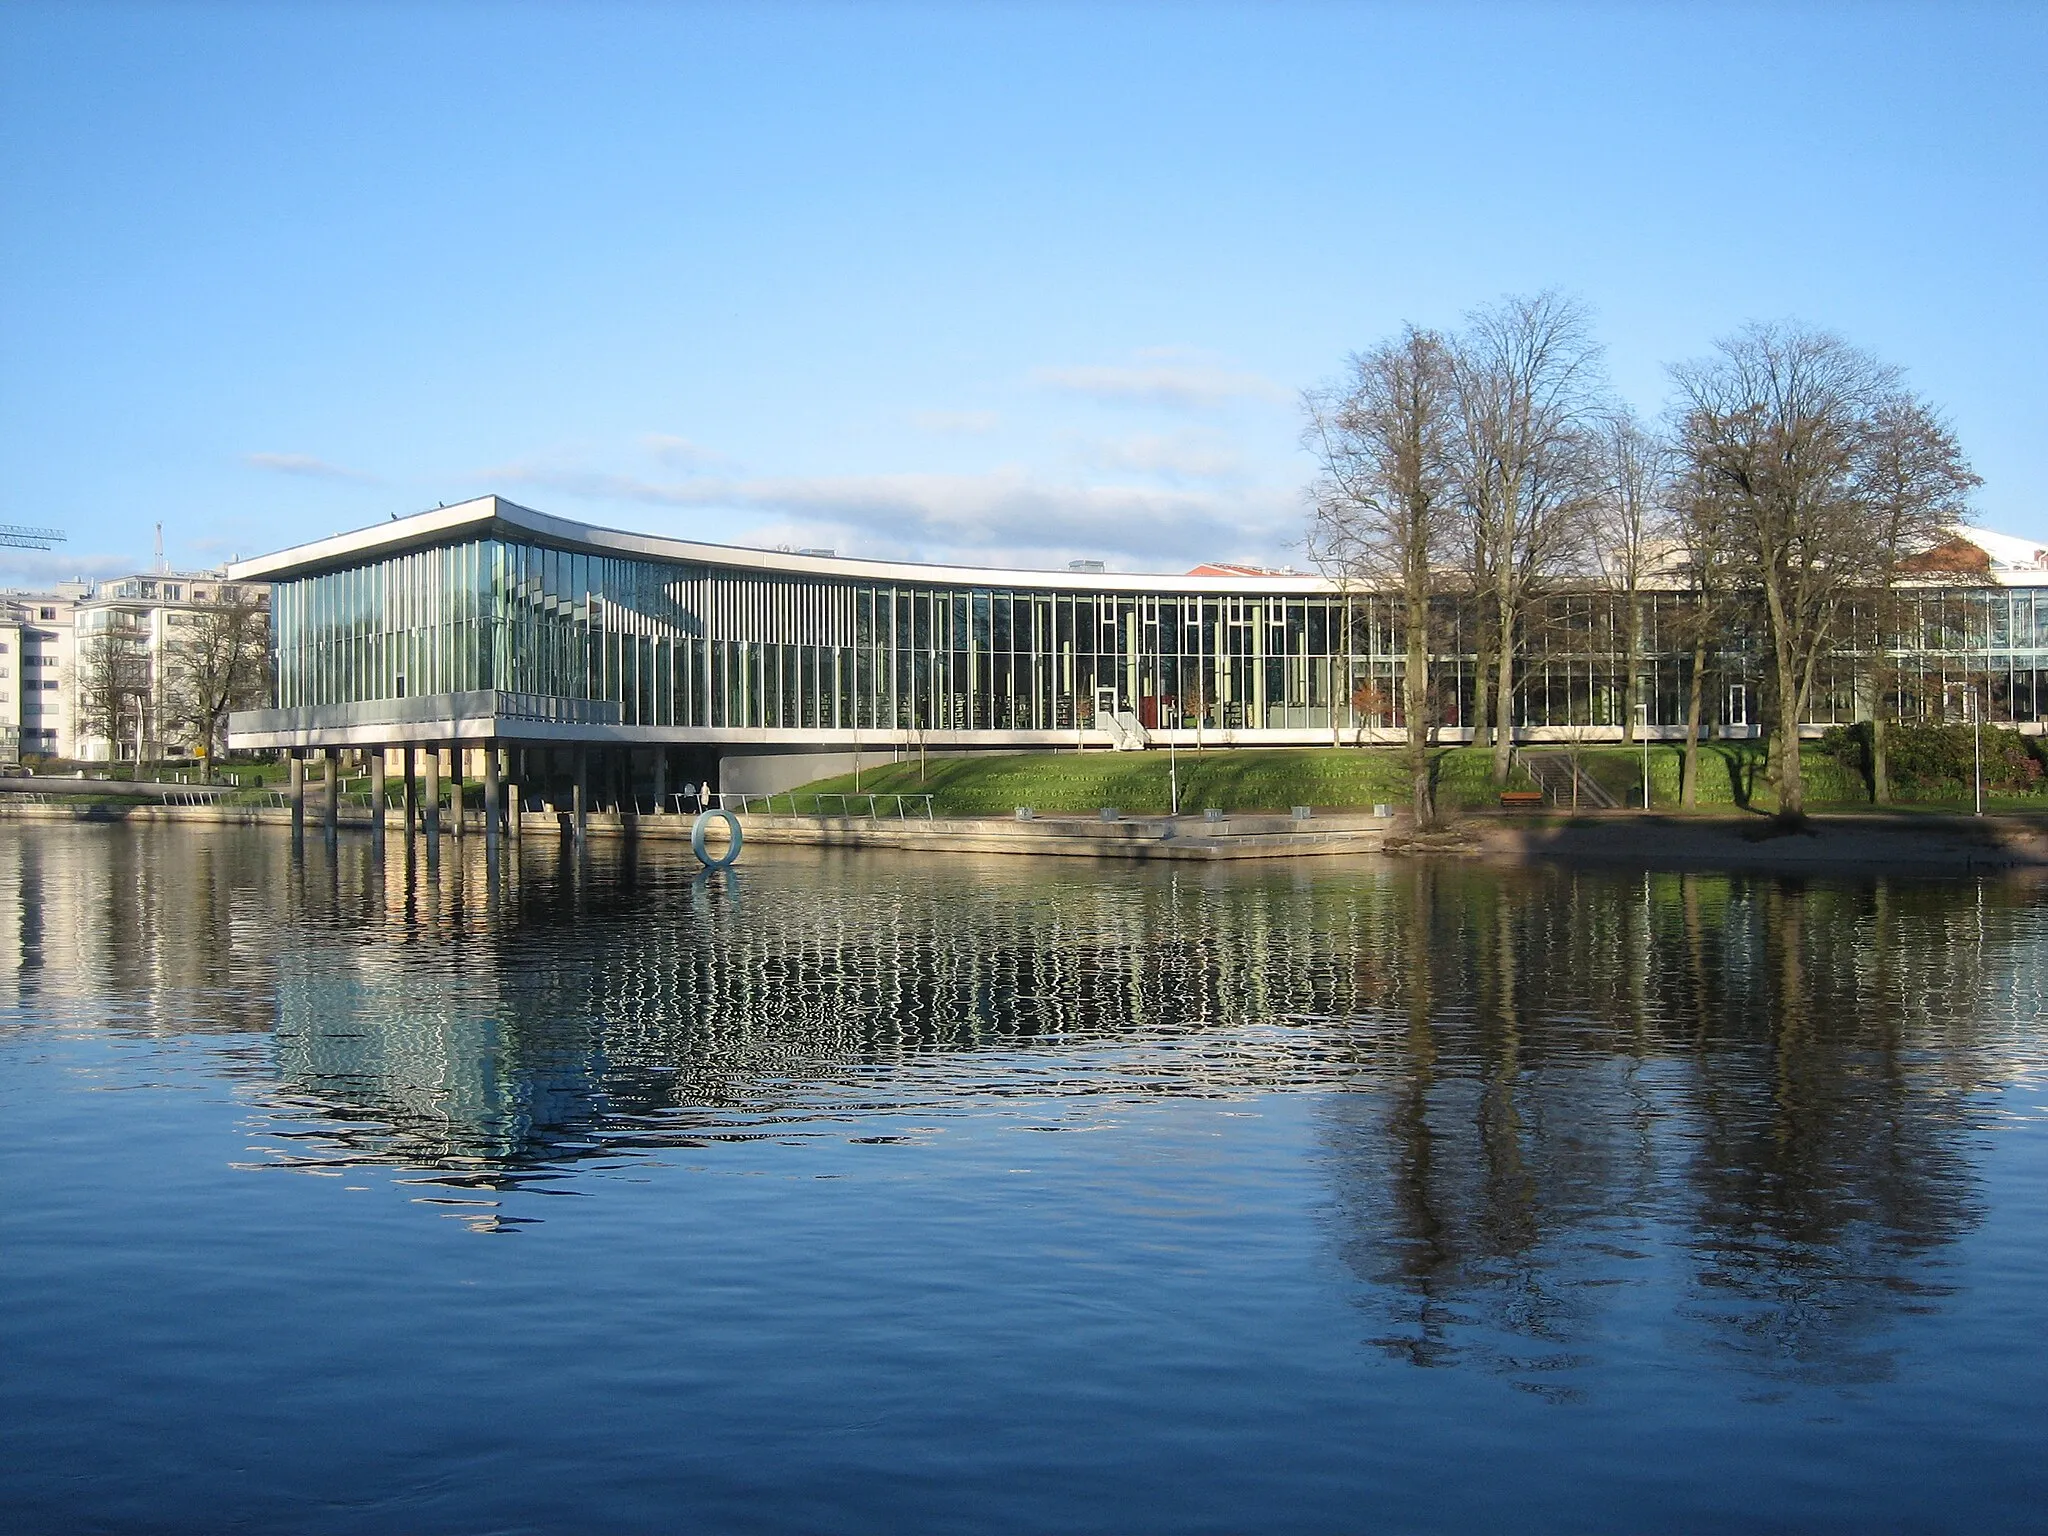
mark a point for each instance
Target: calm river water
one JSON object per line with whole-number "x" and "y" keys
{"x": 871, "y": 1193}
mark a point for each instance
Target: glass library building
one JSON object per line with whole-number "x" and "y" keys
{"x": 491, "y": 625}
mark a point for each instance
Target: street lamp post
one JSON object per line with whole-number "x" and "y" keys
{"x": 1643, "y": 732}
{"x": 1977, "y": 746}
{"x": 1173, "y": 766}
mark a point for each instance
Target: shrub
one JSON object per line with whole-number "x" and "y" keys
{"x": 1941, "y": 757}
{"x": 1848, "y": 745}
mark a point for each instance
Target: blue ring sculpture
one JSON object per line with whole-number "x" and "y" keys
{"x": 732, "y": 850}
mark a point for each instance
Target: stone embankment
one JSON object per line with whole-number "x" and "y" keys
{"x": 1880, "y": 843}
{"x": 1135, "y": 837}
{"x": 1861, "y": 843}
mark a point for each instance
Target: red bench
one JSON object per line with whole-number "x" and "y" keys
{"x": 1520, "y": 799}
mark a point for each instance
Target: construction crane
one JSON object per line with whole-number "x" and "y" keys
{"x": 13, "y": 536}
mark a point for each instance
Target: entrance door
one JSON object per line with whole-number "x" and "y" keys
{"x": 1105, "y": 705}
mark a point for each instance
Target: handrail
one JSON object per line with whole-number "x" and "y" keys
{"x": 905, "y": 806}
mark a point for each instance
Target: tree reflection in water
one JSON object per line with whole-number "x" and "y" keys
{"x": 1535, "y": 1087}
{"x": 1586, "y": 1073}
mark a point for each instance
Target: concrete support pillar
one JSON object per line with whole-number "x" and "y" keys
{"x": 297, "y": 769}
{"x": 493, "y": 806}
{"x": 579, "y": 805}
{"x": 377, "y": 796}
{"x": 660, "y": 779}
{"x": 455, "y": 765}
{"x": 330, "y": 810}
{"x": 430, "y": 795}
{"x": 515, "y": 763}
{"x": 412, "y": 793}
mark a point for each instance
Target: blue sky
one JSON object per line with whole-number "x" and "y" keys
{"x": 1009, "y": 282}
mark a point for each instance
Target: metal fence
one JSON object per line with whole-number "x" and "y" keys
{"x": 788, "y": 803}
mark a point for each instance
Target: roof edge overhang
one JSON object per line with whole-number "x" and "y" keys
{"x": 495, "y": 514}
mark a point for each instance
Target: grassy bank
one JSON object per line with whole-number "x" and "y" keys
{"x": 1246, "y": 780}
{"x": 1335, "y": 778}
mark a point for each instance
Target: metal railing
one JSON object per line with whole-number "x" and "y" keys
{"x": 1565, "y": 782}
{"x": 831, "y": 803}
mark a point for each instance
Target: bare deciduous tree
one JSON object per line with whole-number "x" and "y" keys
{"x": 1699, "y": 529}
{"x": 1917, "y": 486}
{"x": 1629, "y": 535}
{"x": 1776, "y": 426}
{"x": 1384, "y": 514}
{"x": 113, "y": 690}
{"x": 218, "y": 663}
{"x": 1529, "y": 394}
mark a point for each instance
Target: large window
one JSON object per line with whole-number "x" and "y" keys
{"x": 684, "y": 645}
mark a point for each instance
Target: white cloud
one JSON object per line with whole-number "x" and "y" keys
{"x": 306, "y": 465}
{"x": 963, "y": 423}
{"x": 681, "y": 453}
{"x": 38, "y": 570}
{"x": 1175, "y": 455}
{"x": 986, "y": 515}
{"x": 1178, "y": 386}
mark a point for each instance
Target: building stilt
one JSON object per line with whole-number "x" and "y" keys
{"x": 579, "y": 807}
{"x": 493, "y": 807}
{"x": 515, "y": 766}
{"x": 430, "y": 796}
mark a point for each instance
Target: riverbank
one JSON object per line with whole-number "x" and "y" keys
{"x": 1864, "y": 843}
{"x": 1868, "y": 842}
{"x": 1138, "y": 837}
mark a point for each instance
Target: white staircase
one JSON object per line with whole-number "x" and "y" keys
{"x": 1125, "y": 733}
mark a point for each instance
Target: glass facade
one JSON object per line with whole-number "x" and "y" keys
{"x": 702, "y": 647}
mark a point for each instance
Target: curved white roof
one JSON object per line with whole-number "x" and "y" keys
{"x": 489, "y": 514}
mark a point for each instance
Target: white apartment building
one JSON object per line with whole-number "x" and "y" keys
{"x": 38, "y": 652}
{"x": 147, "y": 612}
{"x": 45, "y": 639}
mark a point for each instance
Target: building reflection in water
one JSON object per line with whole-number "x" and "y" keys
{"x": 1530, "y": 1083}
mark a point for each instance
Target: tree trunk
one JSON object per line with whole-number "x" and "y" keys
{"x": 1415, "y": 693}
{"x": 1482, "y": 679}
{"x": 1785, "y": 744}
{"x": 1695, "y": 708}
{"x": 1632, "y": 645}
{"x": 1880, "y": 760}
{"x": 1504, "y": 698}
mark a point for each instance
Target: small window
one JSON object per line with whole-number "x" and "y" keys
{"x": 48, "y": 613}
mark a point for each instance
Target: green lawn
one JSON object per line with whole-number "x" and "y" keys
{"x": 1243, "y": 780}
{"x": 1335, "y": 778}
